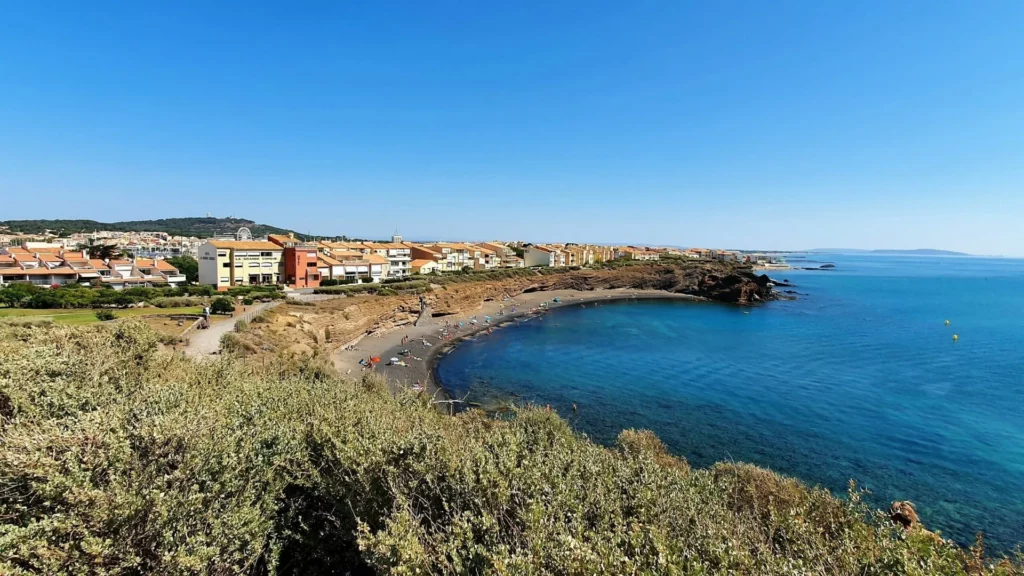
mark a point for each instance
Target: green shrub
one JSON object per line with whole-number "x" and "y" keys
{"x": 230, "y": 343}
{"x": 199, "y": 290}
{"x": 266, "y": 290}
{"x": 110, "y": 466}
{"x": 222, "y": 305}
{"x": 247, "y": 301}
{"x": 176, "y": 302}
{"x": 241, "y": 326}
{"x": 105, "y": 315}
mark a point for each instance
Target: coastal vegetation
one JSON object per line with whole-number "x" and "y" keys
{"x": 119, "y": 458}
{"x": 25, "y": 295}
{"x": 382, "y": 289}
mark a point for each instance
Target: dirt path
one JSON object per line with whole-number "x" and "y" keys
{"x": 205, "y": 342}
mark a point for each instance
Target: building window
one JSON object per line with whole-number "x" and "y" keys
{"x": 222, "y": 254}
{"x": 226, "y": 265}
{"x": 265, "y": 254}
{"x": 268, "y": 264}
{"x": 310, "y": 264}
{"x": 225, "y": 279}
{"x": 253, "y": 264}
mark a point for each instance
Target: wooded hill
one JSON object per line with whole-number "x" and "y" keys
{"x": 200, "y": 227}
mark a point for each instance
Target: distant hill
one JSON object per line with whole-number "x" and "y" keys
{"x": 915, "y": 252}
{"x": 200, "y": 227}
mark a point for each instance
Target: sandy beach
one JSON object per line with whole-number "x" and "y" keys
{"x": 426, "y": 342}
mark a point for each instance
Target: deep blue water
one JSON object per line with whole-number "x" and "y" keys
{"x": 859, "y": 378}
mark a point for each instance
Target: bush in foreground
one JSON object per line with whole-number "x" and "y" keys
{"x": 119, "y": 459}
{"x": 222, "y": 305}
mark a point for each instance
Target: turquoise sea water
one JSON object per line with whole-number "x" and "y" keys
{"x": 858, "y": 378}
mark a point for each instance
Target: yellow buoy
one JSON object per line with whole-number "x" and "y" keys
{"x": 947, "y": 322}
{"x": 955, "y": 337}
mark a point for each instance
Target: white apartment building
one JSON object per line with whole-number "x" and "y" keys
{"x": 539, "y": 255}
{"x": 399, "y": 256}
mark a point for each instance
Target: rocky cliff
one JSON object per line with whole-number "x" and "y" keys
{"x": 716, "y": 281}
{"x": 331, "y": 323}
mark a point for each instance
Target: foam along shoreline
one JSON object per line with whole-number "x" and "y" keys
{"x": 419, "y": 365}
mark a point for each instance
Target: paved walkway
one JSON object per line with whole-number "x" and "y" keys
{"x": 206, "y": 342}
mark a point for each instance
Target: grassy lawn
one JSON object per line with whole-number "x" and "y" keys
{"x": 88, "y": 316}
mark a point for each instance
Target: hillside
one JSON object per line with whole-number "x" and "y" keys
{"x": 200, "y": 227}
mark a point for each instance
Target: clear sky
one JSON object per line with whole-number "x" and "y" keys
{"x": 783, "y": 125}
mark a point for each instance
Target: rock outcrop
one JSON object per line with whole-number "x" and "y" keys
{"x": 716, "y": 281}
{"x": 903, "y": 513}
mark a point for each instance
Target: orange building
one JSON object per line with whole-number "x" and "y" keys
{"x": 300, "y": 262}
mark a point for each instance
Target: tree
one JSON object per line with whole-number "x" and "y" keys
{"x": 222, "y": 305}
{"x": 101, "y": 251}
{"x": 16, "y": 294}
{"x": 187, "y": 265}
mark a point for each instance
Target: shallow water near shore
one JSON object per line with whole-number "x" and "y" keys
{"x": 859, "y": 378}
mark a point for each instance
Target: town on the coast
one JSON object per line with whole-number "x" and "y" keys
{"x": 132, "y": 259}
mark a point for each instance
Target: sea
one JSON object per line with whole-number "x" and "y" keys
{"x": 858, "y": 378}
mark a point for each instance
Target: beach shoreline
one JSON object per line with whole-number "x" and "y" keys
{"x": 419, "y": 364}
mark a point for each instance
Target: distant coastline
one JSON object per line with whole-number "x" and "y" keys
{"x": 911, "y": 252}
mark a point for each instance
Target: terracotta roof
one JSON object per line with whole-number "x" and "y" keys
{"x": 144, "y": 262}
{"x": 48, "y": 271}
{"x": 493, "y": 246}
{"x": 420, "y": 263}
{"x": 375, "y": 259}
{"x": 253, "y": 245}
{"x": 98, "y": 264}
{"x": 4, "y": 258}
{"x": 14, "y": 250}
{"x": 426, "y": 249}
{"x": 327, "y": 260}
{"x": 542, "y": 248}
{"x": 120, "y": 262}
{"x": 50, "y": 258}
{"x": 342, "y": 254}
{"x": 453, "y": 245}
{"x": 359, "y": 246}
{"x": 388, "y": 245}
{"x": 165, "y": 265}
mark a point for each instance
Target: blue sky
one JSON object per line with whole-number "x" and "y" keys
{"x": 782, "y": 125}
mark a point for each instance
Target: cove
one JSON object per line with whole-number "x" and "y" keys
{"x": 857, "y": 379}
